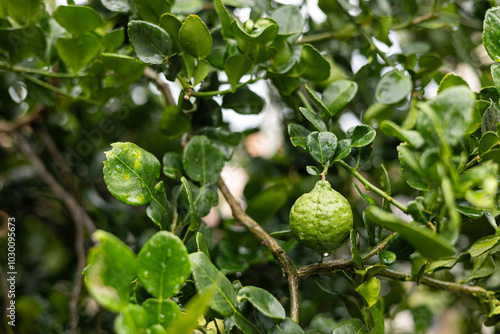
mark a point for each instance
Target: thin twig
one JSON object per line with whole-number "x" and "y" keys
{"x": 165, "y": 89}
{"x": 79, "y": 215}
{"x": 22, "y": 121}
{"x": 279, "y": 254}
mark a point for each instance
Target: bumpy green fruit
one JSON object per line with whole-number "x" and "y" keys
{"x": 321, "y": 219}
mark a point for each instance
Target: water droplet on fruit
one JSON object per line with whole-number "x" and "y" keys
{"x": 145, "y": 273}
{"x": 119, "y": 169}
{"x": 148, "y": 255}
{"x": 161, "y": 316}
{"x": 326, "y": 254}
{"x": 163, "y": 265}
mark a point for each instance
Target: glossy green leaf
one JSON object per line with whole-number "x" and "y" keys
{"x": 365, "y": 197}
{"x": 163, "y": 264}
{"x": 78, "y": 20}
{"x": 263, "y": 301}
{"x": 201, "y": 72}
{"x": 25, "y": 12}
{"x": 111, "y": 267}
{"x": 338, "y": 94}
{"x": 207, "y": 276}
{"x": 256, "y": 39}
{"x": 243, "y": 101}
{"x": 351, "y": 326}
{"x": 312, "y": 66}
{"x": 361, "y": 135}
{"x": 133, "y": 319}
{"x": 483, "y": 267}
{"x": 393, "y": 87}
{"x": 245, "y": 325}
{"x": 22, "y": 43}
{"x": 410, "y": 166}
{"x": 483, "y": 245}
{"x": 120, "y": 6}
{"x": 288, "y": 326}
{"x": 429, "y": 244}
{"x": 491, "y": 33}
{"x": 370, "y": 291}
{"x": 414, "y": 138}
{"x": 174, "y": 122}
{"x": 195, "y": 309}
{"x": 237, "y": 66}
{"x": 78, "y": 52}
{"x": 356, "y": 257}
{"x": 163, "y": 312}
{"x": 487, "y": 142}
{"x": 159, "y": 209}
{"x": 202, "y": 161}
{"x": 480, "y": 184}
{"x": 124, "y": 69}
{"x": 417, "y": 210}
{"x": 195, "y": 38}
{"x": 203, "y": 198}
{"x": 298, "y": 134}
{"x": 343, "y": 150}
{"x": 360, "y": 155}
{"x": 321, "y": 146}
{"x": 451, "y": 80}
{"x": 130, "y": 173}
{"x": 314, "y": 119}
{"x": 151, "y": 43}
{"x": 312, "y": 170}
{"x": 224, "y": 18}
{"x": 490, "y": 119}
{"x": 172, "y": 165}
{"x": 184, "y": 7}
{"x": 152, "y": 10}
{"x": 377, "y": 312}
{"x": 289, "y": 19}
{"x": 193, "y": 225}
{"x": 317, "y": 101}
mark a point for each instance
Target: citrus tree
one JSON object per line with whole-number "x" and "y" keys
{"x": 250, "y": 166}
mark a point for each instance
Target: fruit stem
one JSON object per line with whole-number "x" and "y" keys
{"x": 370, "y": 186}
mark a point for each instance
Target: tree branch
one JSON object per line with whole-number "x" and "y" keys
{"x": 22, "y": 121}
{"x": 79, "y": 215}
{"x": 164, "y": 88}
{"x": 279, "y": 254}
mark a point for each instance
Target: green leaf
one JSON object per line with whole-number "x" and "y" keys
{"x": 289, "y": 19}
{"x": 206, "y": 277}
{"x": 451, "y": 80}
{"x": 22, "y": 43}
{"x": 298, "y": 134}
{"x": 263, "y": 301}
{"x": 124, "y": 69}
{"x": 317, "y": 101}
{"x": 257, "y": 39}
{"x": 174, "y": 122}
{"x": 377, "y": 312}
{"x": 163, "y": 264}
{"x": 172, "y": 165}
{"x": 429, "y": 244}
{"x": 393, "y": 87}
{"x": 491, "y": 33}
{"x": 132, "y": 319}
{"x": 351, "y": 326}
{"x": 159, "y": 210}
{"x": 151, "y": 43}
{"x": 202, "y": 161}
{"x": 370, "y": 291}
{"x": 193, "y": 226}
{"x": 314, "y": 119}
{"x": 483, "y": 267}
{"x": 237, "y": 66}
{"x": 283, "y": 235}
{"x": 267, "y": 203}
{"x": 203, "y": 199}
{"x": 78, "y": 52}
{"x": 480, "y": 184}
{"x": 321, "y": 146}
{"x": 245, "y": 325}
{"x": 338, "y": 94}
{"x": 288, "y": 326}
{"x": 343, "y": 150}
{"x": 130, "y": 173}
{"x": 361, "y": 155}
{"x": 77, "y": 20}
{"x": 243, "y": 101}
{"x": 120, "y": 6}
{"x": 483, "y": 245}
{"x": 356, "y": 258}
{"x": 412, "y": 171}
{"x": 312, "y": 170}
{"x": 366, "y": 198}
{"x": 25, "y": 12}
{"x": 195, "y": 309}
{"x": 361, "y": 135}
{"x": 201, "y": 71}
{"x": 171, "y": 24}
{"x": 224, "y": 18}
{"x": 113, "y": 40}
{"x": 487, "y": 142}
{"x": 490, "y": 119}
{"x": 195, "y": 38}
{"x": 414, "y": 138}
{"x": 152, "y": 10}
{"x": 163, "y": 312}
{"x": 201, "y": 244}
{"x": 111, "y": 267}
{"x": 312, "y": 66}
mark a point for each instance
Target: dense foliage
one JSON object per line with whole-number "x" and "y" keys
{"x": 118, "y": 118}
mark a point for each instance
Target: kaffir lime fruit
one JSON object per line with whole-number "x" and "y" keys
{"x": 321, "y": 219}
